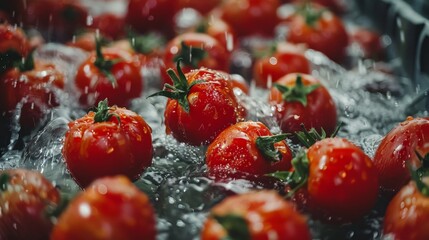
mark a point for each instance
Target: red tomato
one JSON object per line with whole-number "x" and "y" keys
{"x": 152, "y": 15}
{"x": 369, "y": 42}
{"x": 109, "y": 25}
{"x": 251, "y": 17}
{"x": 98, "y": 145}
{"x": 257, "y": 216}
{"x": 407, "y": 215}
{"x": 342, "y": 181}
{"x": 112, "y": 74}
{"x": 271, "y": 68}
{"x": 26, "y": 198}
{"x": 397, "y": 148}
{"x": 250, "y": 148}
{"x": 85, "y": 41}
{"x": 57, "y": 20}
{"x": 206, "y": 105}
{"x": 197, "y": 50}
{"x": 239, "y": 82}
{"x": 201, "y": 6}
{"x": 321, "y": 30}
{"x": 33, "y": 89}
{"x": 13, "y": 38}
{"x": 111, "y": 208}
{"x": 318, "y": 112}
{"x": 219, "y": 30}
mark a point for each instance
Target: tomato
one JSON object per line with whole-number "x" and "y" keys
{"x": 111, "y": 208}
{"x": 109, "y": 25}
{"x": 407, "y": 214}
{"x": 340, "y": 173}
{"x": 239, "y": 82}
{"x": 398, "y": 148}
{"x": 255, "y": 215}
{"x": 85, "y": 41}
{"x": 31, "y": 89}
{"x": 201, "y": 104}
{"x": 369, "y": 42}
{"x": 306, "y": 102}
{"x": 250, "y": 148}
{"x": 321, "y": 30}
{"x": 271, "y": 68}
{"x": 13, "y": 38}
{"x": 25, "y": 201}
{"x": 219, "y": 30}
{"x": 202, "y": 7}
{"x": 57, "y": 20}
{"x": 110, "y": 141}
{"x": 152, "y": 15}
{"x": 111, "y": 74}
{"x": 251, "y": 17}
{"x": 197, "y": 50}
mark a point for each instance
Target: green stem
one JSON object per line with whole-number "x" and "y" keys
{"x": 265, "y": 144}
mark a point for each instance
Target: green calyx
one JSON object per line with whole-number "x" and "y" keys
{"x": 310, "y": 137}
{"x": 310, "y": 14}
{"x": 265, "y": 144}
{"x": 180, "y": 89}
{"x": 297, "y": 93}
{"x": 27, "y": 64}
{"x": 191, "y": 56}
{"x": 420, "y": 173}
{"x": 104, "y": 65}
{"x": 235, "y": 226}
{"x": 298, "y": 177}
{"x": 145, "y": 44}
{"x": 102, "y": 113}
{"x": 4, "y": 181}
{"x": 8, "y": 60}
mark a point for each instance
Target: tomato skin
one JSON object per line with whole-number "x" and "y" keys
{"x": 213, "y": 107}
{"x": 370, "y": 43}
{"x": 328, "y": 35}
{"x": 13, "y": 38}
{"x": 235, "y": 150}
{"x": 152, "y": 15}
{"x": 92, "y": 150}
{"x": 217, "y": 57}
{"x": 24, "y": 203}
{"x": 251, "y": 17}
{"x": 397, "y": 148}
{"x": 266, "y": 214}
{"x": 110, "y": 208}
{"x": 94, "y": 86}
{"x": 407, "y": 215}
{"x": 276, "y": 66}
{"x": 109, "y": 25}
{"x": 320, "y": 111}
{"x": 342, "y": 183}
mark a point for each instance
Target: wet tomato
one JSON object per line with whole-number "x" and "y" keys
{"x": 249, "y": 148}
{"x": 13, "y": 39}
{"x": 271, "y": 68}
{"x": 26, "y": 198}
{"x": 321, "y": 30}
{"x": 257, "y": 216}
{"x": 197, "y": 50}
{"x": 111, "y": 74}
{"x": 219, "y": 30}
{"x": 301, "y": 99}
{"x": 107, "y": 142}
{"x": 201, "y": 104}
{"x": 369, "y": 42}
{"x": 109, "y": 25}
{"x": 250, "y": 17}
{"x": 111, "y": 208}
{"x": 397, "y": 149}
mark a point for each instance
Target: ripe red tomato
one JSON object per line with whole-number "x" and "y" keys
{"x": 251, "y": 17}
{"x": 249, "y": 148}
{"x": 369, "y": 42}
{"x": 342, "y": 181}
{"x": 321, "y": 30}
{"x": 256, "y": 216}
{"x": 307, "y": 103}
{"x": 111, "y": 208}
{"x": 152, "y": 15}
{"x": 397, "y": 149}
{"x": 111, "y": 74}
{"x": 109, "y": 25}
{"x": 26, "y": 198}
{"x": 32, "y": 87}
{"x": 13, "y": 38}
{"x": 201, "y": 104}
{"x": 271, "y": 68}
{"x": 197, "y": 50}
{"x": 407, "y": 215}
{"x": 219, "y": 30}
{"x": 85, "y": 41}
{"x": 107, "y": 142}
